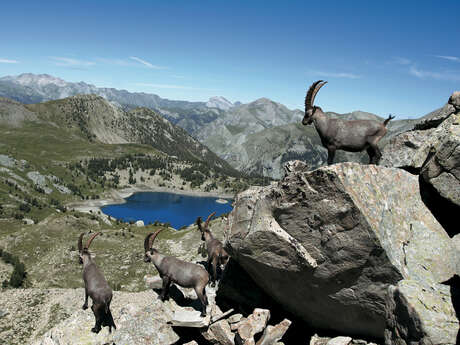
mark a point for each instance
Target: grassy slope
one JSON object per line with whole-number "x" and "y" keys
{"x": 49, "y": 252}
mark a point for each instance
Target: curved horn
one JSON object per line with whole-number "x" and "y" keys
{"x": 308, "y": 97}
{"x": 315, "y": 91}
{"x": 91, "y": 240}
{"x": 146, "y": 242}
{"x": 152, "y": 237}
{"x": 80, "y": 242}
{"x": 209, "y": 218}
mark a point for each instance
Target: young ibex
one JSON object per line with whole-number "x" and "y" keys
{"x": 173, "y": 270}
{"x": 216, "y": 253}
{"x": 336, "y": 134}
{"x": 96, "y": 287}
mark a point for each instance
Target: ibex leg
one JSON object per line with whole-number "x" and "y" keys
{"x": 214, "y": 270}
{"x": 85, "y": 305}
{"x": 165, "y": 289}
{"x": 201, "y": 293}
{"x": 97, "y": 311}
{"x": 330, "y": 155}
{"x": 377, "y": 154}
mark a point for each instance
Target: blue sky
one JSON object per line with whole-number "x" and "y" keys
{"x": 400, "y": 57}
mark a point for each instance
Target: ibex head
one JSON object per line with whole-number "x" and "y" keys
{"x": 310, "y": 109}
{"x": 148, "y": 243}
{"x": 205, "y": 227}
{"x": 84, "y": 250}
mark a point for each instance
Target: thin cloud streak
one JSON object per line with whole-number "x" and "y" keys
{"x": 451, "y": 76}
{"x": 146, "y": 63}
{"x": 8, "y": 61}
{"x": 450, "y": 58}
{"x": 69, "y": 62}
{"x": 336, "y": 75}
{"x": 116, "y": 62}
{"x": 401, "y": 61}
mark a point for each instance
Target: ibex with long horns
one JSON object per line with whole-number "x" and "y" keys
{"x": 96, "y": 287}
{"x": 216, "y": 252}
{"x": 337, "y": 134}
{"x": 173, "y": 270}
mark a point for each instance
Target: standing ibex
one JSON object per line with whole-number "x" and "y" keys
{"x": 336, "y": 134}
{"x": 173, "y": 270}
{"x": 96, "y": 287}
{"x": 216, "y": 253}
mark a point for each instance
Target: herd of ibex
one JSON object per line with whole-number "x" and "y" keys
{"x": 335, "y": 134}
{"x": 170, "y": 269}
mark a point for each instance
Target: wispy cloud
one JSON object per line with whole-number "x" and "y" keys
{"x": 401, "y": 61}
{"x": 146, "y": 63}
{"x": 336, "y": 75}
{"x": 70, "y": 62}
{"x": 8, "y": 61}
{"x": 445, "y": 75}
{"x": 116, "y": 62}
{"x": 450, "y": 58}
{"x": 172, "y": 86}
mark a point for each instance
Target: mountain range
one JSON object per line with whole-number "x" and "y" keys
{"x": 257, "y": 137}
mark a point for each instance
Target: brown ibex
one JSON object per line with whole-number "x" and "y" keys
{"x": 216, "y": 252}
{"x": 347, "y": 135}
{"x": 173, "y": 270}
{"x": 96, "y": 287}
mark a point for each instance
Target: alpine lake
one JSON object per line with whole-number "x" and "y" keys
{"x": 176, "y": 209}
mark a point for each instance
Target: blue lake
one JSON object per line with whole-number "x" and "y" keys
{"x": 176, "y": 209}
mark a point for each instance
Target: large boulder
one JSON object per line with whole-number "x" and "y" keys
{"x": 326, "y": 244}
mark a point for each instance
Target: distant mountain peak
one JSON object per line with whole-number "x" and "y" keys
{"x": 219, "y": 102}
{"x": 36, "y": 79}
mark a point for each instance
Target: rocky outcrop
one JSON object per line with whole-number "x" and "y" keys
{"x": 432, "y": 150}
{"x": 442, "y": 170}
{"x": 140, "y": 318}
{"x": 327, "y": 244}
{"x": 454, "y": 100}
{"x": 410, "y": 150}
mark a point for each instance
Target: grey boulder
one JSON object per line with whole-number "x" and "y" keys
{"x": 326, "y": 244}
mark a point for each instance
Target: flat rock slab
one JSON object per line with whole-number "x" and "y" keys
{"x": 188, "y": 317}
{"x": 340, "y": 341}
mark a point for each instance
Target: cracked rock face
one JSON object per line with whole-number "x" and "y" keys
{"x": 420, "y": 315}
{"x": 442, "y": 171}
{"x": 326, "y": 244}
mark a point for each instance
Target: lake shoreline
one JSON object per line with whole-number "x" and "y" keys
{"x": 117, "y": 197}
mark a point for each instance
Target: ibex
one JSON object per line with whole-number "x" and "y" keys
{"x": 96, "y": 287}
{"x": 216, "y": 253}
{"x": 336, "y": 134}
{"x": 173, "y": 270}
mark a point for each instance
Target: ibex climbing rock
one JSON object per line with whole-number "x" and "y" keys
{"x": 337, "y": 134}
{"x": 216, "y": 252}
{"x": 173, "y": 270}
{"x": 96, "y": 287}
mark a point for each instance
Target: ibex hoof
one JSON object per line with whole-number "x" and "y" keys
{"x": 95, "y": 330}
{"x": 203, "y": 314}
{"x": 85, "y": 306}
